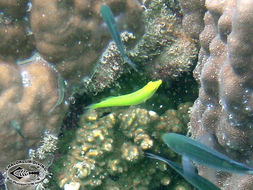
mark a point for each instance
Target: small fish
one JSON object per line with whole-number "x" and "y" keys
{"x": 108, "y": 17}
{"x": 204, "y": 155}
{"x": 61, "y": 91}
{"x": 16, "y": 126}
{"x": 130, "y": 99}
{"x": 193, "y": 178}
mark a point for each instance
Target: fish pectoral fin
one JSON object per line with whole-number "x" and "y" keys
{"x": 188, "y": 165}
{"x": 132, "y": 64}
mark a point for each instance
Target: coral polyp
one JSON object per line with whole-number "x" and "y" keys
{"x": 108, "y": 151}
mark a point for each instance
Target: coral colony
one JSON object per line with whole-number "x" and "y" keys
{"x": 56, "y": 53}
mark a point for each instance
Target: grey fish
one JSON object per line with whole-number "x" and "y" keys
{"x": 193, "y": 178}
{"x": 61, "y": 91}
{"x": 204, "y": 155}
{"x": 108, "y": 17}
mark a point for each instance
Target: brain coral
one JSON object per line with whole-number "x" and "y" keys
{"x": 71, "y": 34}
{"x": 224, "y": 109}
{"x": 28, "y": 93}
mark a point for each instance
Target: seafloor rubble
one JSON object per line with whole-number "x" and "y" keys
{"x": 223, "y": 113}
{"x": 106, "y": 152}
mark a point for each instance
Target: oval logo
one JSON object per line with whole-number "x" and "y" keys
{"x": 25, "y": 172}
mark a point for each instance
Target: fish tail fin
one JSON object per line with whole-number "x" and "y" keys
{"x": 90, "y": 107}
{"x": 52, "y": 109}
{"x": 156, "y": 157}
{"x": 132, "y": 64}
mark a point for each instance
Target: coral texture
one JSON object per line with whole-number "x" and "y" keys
{"x": 68, "y": 34}
{"x": 16, "y": 40}
{"x": 194, "y": 11}
{"x": 108, "y": 69}
{"x": 162, "y": 52}
{"x": 68, "y": 39}
{"x": 71, "y": 34}
{"x": 165, "y": 43}
{"x": 28, "y": 93}
{"x": 107, "y": 151}
{"x": 224, "y": 109}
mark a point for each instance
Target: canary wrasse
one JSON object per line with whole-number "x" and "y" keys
{"x": 204, "y": 155}
{"x": 193, "y": 178}
{"x": 134, "y": 98}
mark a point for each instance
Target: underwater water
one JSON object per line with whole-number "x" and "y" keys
{"x": 89, "y": 87}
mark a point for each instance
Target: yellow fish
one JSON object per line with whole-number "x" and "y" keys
{"x": 134, "y": 98}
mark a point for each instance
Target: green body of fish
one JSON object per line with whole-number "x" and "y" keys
{"x": 203, "y": 154}
{"x": 108, "y": 17}
{"x": 130, "y": 99}
{"x": 193, "y": 178}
